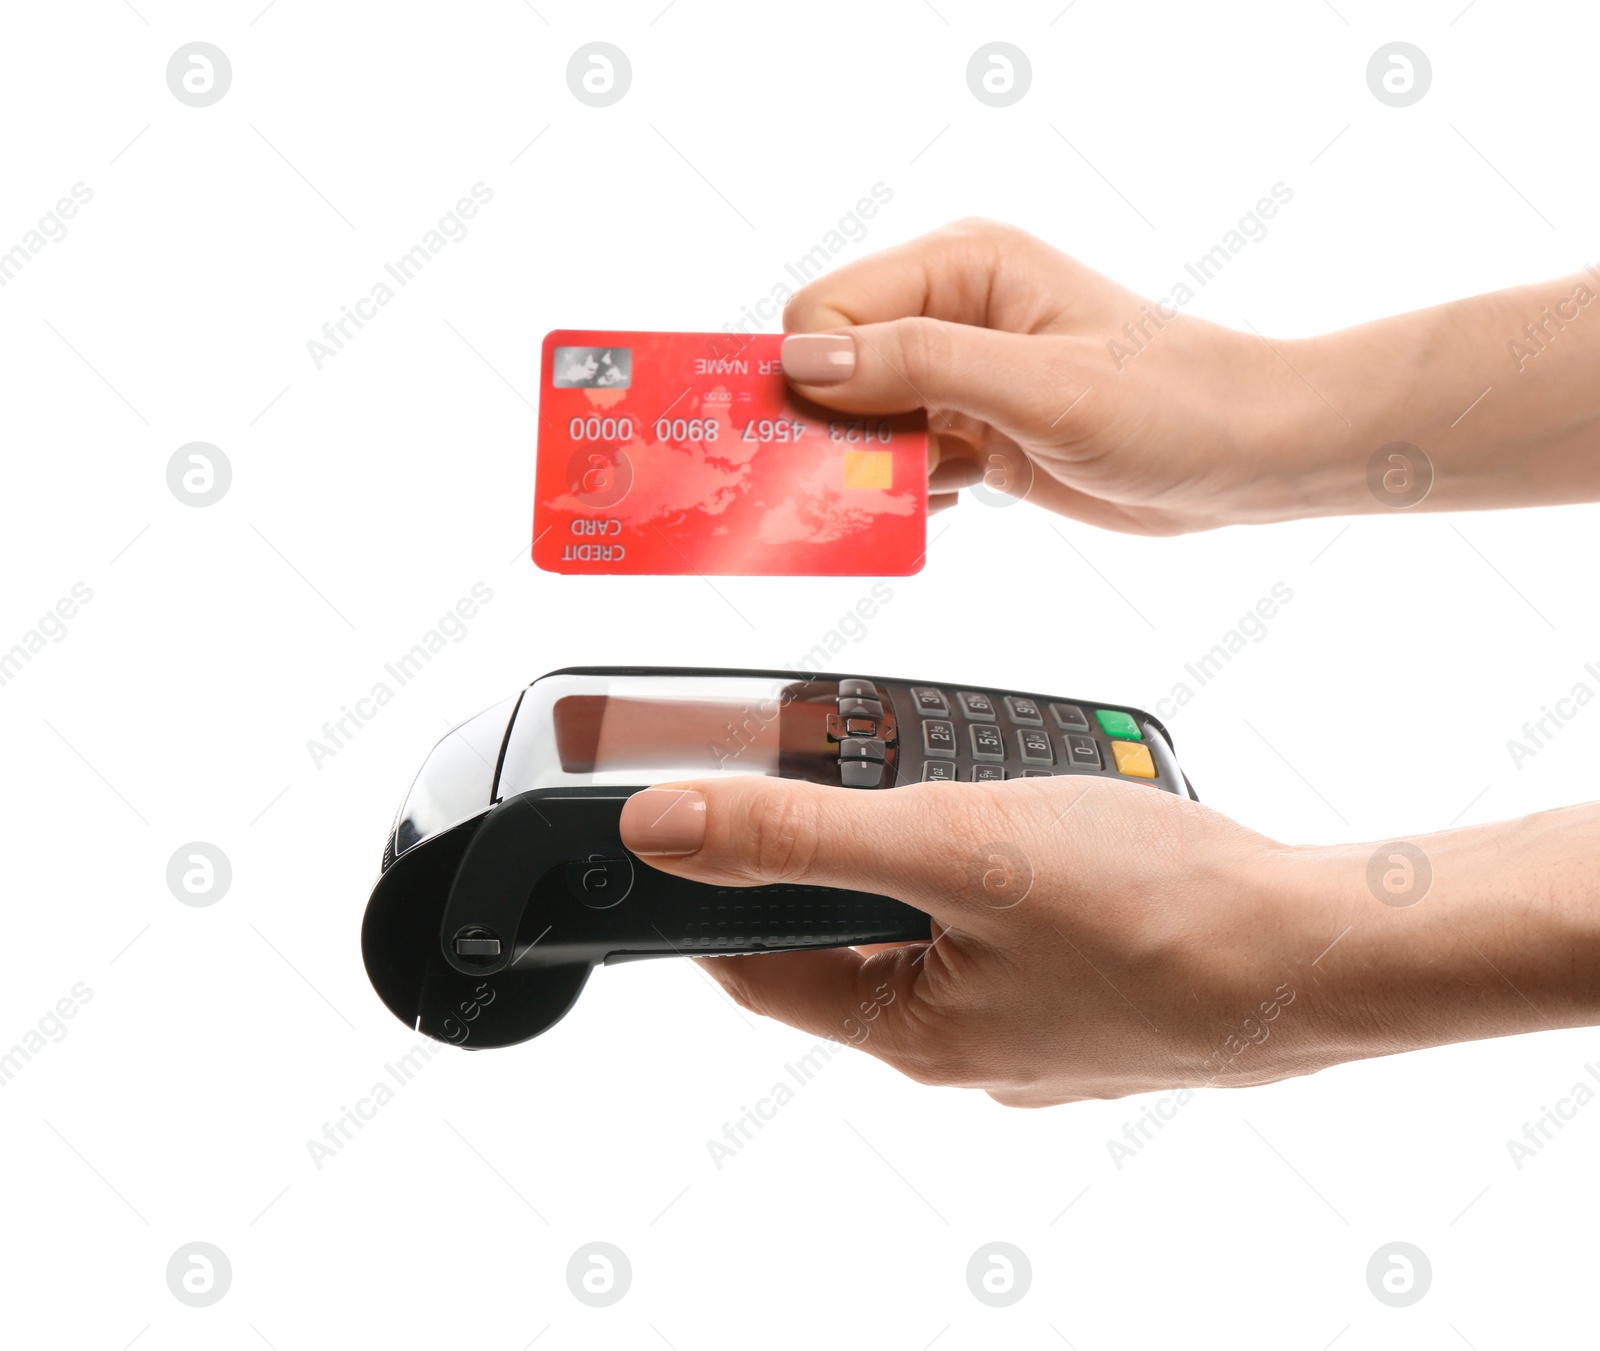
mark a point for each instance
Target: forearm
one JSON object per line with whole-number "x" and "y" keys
{"x": 1483, "y": 932}
{"x": 1500, "y": 393}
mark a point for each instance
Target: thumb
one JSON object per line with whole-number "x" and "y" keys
{"x": 1013, "y": 381}
{"x": 751, "y": 830}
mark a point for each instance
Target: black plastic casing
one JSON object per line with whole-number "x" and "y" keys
{"x": 483, "y": 934}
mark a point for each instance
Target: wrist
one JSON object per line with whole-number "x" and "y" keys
{"x": 1469, "y": 934}
{"x": 1302, "y": 412}
{"x": 1492, "y": 401}
{"x": 1337, "y": 399}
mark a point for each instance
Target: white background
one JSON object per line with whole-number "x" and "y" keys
{"x": 369, "y": 496}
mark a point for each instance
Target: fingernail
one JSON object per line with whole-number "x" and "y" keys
{"x": 819, "y": 358}
{"x": 664, "y": 821}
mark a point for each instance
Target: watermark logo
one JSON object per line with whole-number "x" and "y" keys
{"x": 1539, "y": 1132}
{"x": 999, "y": 74}
{"x": 1399, "y": 1274}
{"x": 1253, "y": 627}
{"x": 600, "y": 477}
{"x": 51, "y": 229}
{"x": 1399, "y": 475}
{"x": 452, "y": 627}
{"x": 1001, "y": 873}
{"x": 51, "y": 627}
{"x": 199, "y": 874}
{"x": 451, "y": 228}
{"x": 1007, "y": 479}
{"x": 1251, "y": 228}
{"x": 50, "y": 1028}
{"x": 1399, "y": 874}
{"x": 1538, "y": 733}
{"x": 338, "y": 1133}
{"x": 199, "y": 74}
{"x": 199, "y": 474}
{"x": 1399, "y": 74}
{"x": 1155, "y": 1116}
{"x": 851, "y": 627}
{"x": 737, "y": 1134}
{"x": 851, "y": 228}
{"x": 199, "y": 1274}
{"x": 599, "y": 1274}
{"x": 1537, "y": 337}
{"x": 599, "y": 74}
{"x": 1140, "y": 1131}
{"x": 999, "y": 1274}
{"x": 1253, "y": 1031}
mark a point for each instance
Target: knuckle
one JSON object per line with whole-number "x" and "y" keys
{"x": 943, "y": 1066}
{"x": 991, "y": 240}
{"x": 781, "y": 830}
{"x": 923, "y": 343}
{"x": 798, "y": 310}
{"x": 979, "y": 227}
{"x": 936, "y": 1046}
{"x": 958, "y": 826}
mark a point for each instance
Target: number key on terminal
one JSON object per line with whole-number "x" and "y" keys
{"x": 987, "y": 742}
{"x": 930, "y": 701}
{"x": 1069, "y": 717}
{"x": 1034, "y": 747}
{"x": 988, "y": 774}
{"x": 1083, "y": 752}
{"x": 1024, "y": 712}
{"x": 976, "y": 705}
{"x": 938, "y": 771}
{"x": 939, "y": 738}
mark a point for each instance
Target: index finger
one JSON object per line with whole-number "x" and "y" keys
{"x": 954, "y": 273}
{"x": 836, "y": 994}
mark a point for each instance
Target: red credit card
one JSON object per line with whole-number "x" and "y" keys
{"x": 671, "y": 453}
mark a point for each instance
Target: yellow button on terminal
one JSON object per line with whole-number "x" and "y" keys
{"x": 1133, "y": 757}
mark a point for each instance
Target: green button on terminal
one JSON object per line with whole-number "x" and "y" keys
{"x": 1118, "y": 724}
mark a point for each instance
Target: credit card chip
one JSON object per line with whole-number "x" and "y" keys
{"x": 868, "y": 469}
